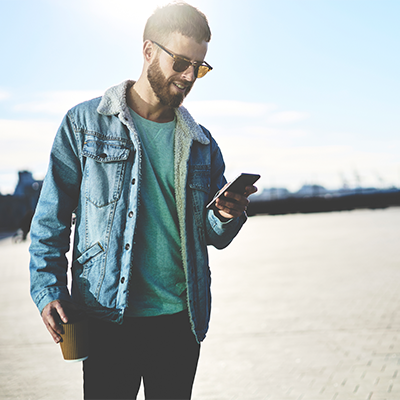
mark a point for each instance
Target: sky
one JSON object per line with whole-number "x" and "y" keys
{"x": 302, "y": 91}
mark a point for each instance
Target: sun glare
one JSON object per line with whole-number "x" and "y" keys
{"x": 132, "y": 14}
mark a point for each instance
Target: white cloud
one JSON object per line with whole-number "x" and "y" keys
{"x": 57, "y": 103}
{"x": 21, "y": 132}
{"x": 269, "y": 133}
{"x": 287, "y": 117}
{"x": 283, "y": 162}
{"x": 257, "y": 137}
{"x": 229, "y": 108}
{"x": 240, "y": 109}
{"x": 284, "y": 156}
{"x": 25, "y": 145}
{"x": 4, "y": 95}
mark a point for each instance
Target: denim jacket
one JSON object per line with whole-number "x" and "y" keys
{"x": 95, "y": 172}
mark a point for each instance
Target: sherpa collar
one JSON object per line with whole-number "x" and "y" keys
{"x": 114, "y": 102}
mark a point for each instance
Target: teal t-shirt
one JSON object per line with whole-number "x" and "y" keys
{"x": 157, "y": 284}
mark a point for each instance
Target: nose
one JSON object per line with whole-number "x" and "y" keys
{"x": 189, "y": 74}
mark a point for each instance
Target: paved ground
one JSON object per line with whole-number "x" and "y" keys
{"x": 305, "y": 307}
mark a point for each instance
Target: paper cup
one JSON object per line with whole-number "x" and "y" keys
{"x": 74, "y": 344}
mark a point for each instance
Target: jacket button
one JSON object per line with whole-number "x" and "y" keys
{"x": 123, "y": 279}
{"x": 103, "y": 155}
{"x": 127, "y": 246}
{"x": 133, "y": 181}
{"x": 130, "y": 215}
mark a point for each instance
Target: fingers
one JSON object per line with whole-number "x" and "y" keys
{"x": 61, "y": 312}
{"x": 250, "y": 190}
{"x": 52, "y": 314}
{"x": 232, "y": 205}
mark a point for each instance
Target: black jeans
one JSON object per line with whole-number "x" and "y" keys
{"x": 162, "y": 350}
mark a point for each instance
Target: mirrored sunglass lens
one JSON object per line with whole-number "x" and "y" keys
{"x": 202, "y": 71}
{"x": 180, "y": 65}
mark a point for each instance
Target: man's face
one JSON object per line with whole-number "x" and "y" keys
{"x": 169, "y": 86}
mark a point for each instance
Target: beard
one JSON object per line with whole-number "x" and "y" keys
{"x": 161, "y": 86}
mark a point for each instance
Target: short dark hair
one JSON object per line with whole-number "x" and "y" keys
{"x": 177, "y": 17}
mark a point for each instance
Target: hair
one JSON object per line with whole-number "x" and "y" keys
{"x": 177, "y": 17}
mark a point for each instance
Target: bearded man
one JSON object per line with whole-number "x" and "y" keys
{"x": 137, "y": 171}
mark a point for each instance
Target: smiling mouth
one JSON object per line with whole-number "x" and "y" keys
{"x": 179, "y": 86}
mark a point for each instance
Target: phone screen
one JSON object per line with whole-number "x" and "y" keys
{"x": 238, "y": 185}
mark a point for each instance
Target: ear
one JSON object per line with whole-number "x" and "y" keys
{"x": 149, "y": 50}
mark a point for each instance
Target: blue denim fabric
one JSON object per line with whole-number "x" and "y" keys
{"x": 94, "y": 171}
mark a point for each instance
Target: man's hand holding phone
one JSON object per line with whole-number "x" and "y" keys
{"x": 232, "y": 200}
{"x": 232, "y": 205}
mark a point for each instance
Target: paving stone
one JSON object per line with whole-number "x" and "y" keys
{"x": 305, "y": 307}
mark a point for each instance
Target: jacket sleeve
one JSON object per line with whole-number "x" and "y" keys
{"x": 51, "y": 225}
{"x": 220, "y": 234}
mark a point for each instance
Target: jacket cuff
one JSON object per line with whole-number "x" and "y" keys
{"x": 221, "y": 227}
{"x": 51, "y": 294}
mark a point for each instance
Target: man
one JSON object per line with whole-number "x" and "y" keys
{"x": 137, "y": 171}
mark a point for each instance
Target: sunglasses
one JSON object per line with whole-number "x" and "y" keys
{"x": 181, "y": 64}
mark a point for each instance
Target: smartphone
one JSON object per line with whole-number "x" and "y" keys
{"x": 238, "y": 185}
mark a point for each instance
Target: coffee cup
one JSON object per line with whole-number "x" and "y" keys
{"x": 74, "y": 339}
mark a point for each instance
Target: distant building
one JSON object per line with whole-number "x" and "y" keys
{"x": 311, "y": 191}
{"x": 272, "y": 194}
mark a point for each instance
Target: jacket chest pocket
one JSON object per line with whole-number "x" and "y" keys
{"x": 199, "y": 179}
{"x": 104, "y": 170}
